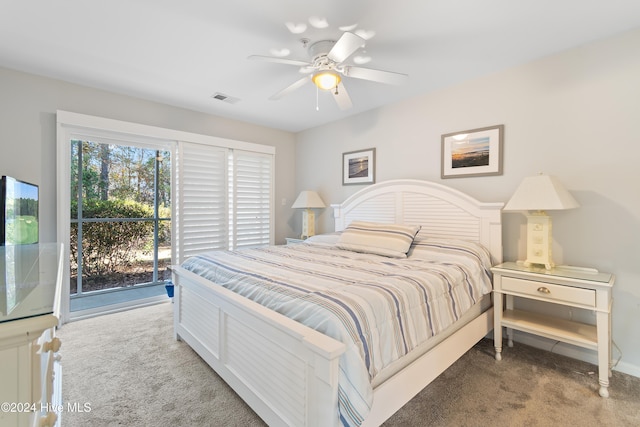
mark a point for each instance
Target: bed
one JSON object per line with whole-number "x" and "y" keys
{"x": 292, "y": 374}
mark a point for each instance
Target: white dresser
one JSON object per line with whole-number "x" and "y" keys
{"x": 30, "y": 369}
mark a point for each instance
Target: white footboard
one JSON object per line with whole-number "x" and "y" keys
{"x": 287, "y": 373}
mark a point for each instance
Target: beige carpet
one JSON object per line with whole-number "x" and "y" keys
{"x": 130, "y": 372}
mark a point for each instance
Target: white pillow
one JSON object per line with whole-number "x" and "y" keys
{"x": 391, "y": 240}
{"x": 329, "y": 239}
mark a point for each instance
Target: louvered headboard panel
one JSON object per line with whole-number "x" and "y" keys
{"x": 379, "y": 209}
{"x": 441, "y": 211}
{"x": 439, "y": 218}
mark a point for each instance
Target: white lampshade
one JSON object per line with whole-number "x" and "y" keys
{"x": 541, "y": 193}
{"x": 308, "y": 200}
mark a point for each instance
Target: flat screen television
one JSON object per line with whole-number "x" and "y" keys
{"x": 19, "y": 213}
{"x": 19, "y": 271}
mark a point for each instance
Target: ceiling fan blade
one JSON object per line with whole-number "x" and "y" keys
{"x": 297, "y": 84}
{"x": 380, "y": 76}
{"x": 280, "y": 60}
{"x": 342, "y": 97}
{"x": 345, "y": 47}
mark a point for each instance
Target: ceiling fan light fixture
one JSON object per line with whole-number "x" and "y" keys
{"x": 326, "y": 80}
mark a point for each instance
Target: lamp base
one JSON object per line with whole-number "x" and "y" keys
{"x": 308, "y": 224}
{"x": 548, "y": 266}
{"x": 539, "y": 240}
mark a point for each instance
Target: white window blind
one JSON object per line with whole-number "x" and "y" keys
{"x": 202, "y": 211}
{"x": 252, "y": 196}
{"x": 225, "y": 198}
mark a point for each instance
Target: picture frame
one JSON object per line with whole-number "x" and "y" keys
{"x": 359, "y": 167}
{"x": 474, "y": 152}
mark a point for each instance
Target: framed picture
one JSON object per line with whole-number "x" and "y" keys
{"x": 475, "y": 152}
{"x": 359, "y": 167}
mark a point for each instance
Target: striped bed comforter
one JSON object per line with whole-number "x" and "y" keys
{"x": 380, "y": 307}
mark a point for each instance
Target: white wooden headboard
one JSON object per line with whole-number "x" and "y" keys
{"x": 440, "y": 210}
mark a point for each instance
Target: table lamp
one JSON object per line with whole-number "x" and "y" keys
{"x": 308, "y": 200}
{"x": 538, "y": 194}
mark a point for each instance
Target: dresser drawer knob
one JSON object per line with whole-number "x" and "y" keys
{"x": 544, "y": 290}
{"x": 53, "y": 345}
{"x": 49, "y": 420}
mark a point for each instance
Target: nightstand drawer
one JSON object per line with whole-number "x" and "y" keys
{"x": 550, "y": 292}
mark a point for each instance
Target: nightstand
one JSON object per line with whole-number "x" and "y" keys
{"x": 293, "y": 241}
{"x": 568, "y": 286}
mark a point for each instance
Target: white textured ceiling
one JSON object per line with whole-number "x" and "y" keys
{"x": 182, "y": 52}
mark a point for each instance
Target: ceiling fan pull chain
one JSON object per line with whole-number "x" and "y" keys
{"x": 317, "y": 102}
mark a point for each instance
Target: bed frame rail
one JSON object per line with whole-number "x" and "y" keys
{"x": 394, "y": 393}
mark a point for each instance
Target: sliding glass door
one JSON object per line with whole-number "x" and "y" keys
{"x": 120, "y": 220}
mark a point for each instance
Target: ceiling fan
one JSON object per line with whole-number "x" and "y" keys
{"x": 327, "y": 65}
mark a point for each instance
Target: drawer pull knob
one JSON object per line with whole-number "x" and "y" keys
{"x": 53, "y": 345}
{"x": 544, "y": 290}
{"x": 49, "y": 420}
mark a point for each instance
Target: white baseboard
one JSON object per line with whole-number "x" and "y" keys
{"x": 574, "y": 352}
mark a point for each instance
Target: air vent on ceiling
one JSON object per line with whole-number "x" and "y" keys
{"x": 225, "y": 98}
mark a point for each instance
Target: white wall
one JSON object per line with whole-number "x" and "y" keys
{"x": 28, "y": 105}
{"x": 574, "y": 115}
